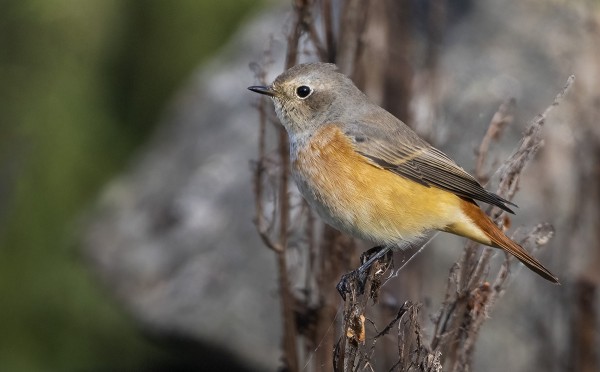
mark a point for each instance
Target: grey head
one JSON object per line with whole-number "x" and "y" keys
{"x": 309, "y": 95}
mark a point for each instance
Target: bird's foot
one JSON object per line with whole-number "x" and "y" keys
{"x": 357, "y": 279}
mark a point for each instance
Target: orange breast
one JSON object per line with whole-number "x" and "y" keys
{"x": 362, "y": 199}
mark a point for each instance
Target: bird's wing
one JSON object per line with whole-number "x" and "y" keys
{"x": 402, "y": 152}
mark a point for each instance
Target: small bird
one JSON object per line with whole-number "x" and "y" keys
{"x": 369, "y": 175}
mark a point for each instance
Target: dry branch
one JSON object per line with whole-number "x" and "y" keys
{"x": 469, "y": 297}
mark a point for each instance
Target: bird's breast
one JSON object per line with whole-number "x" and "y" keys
{"x": 356, "y": 196}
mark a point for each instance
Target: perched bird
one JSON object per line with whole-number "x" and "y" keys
{"x": 369, "y": 175}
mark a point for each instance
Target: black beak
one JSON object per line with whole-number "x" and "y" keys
{"x": 267, "y": 91}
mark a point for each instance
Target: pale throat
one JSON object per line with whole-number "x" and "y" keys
{"x": 289, "y": 118}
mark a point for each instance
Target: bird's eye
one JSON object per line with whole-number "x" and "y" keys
{"x": 303, "y": 91}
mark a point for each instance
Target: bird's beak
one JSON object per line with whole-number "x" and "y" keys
{"x": 267, "y": 91}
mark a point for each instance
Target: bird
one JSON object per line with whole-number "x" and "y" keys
{"x": 369, "y": 175}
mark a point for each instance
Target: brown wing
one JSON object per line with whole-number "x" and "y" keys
{"x": 407, "y": 155}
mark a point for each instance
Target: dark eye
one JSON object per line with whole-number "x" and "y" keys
{"x": 303, "y": 91}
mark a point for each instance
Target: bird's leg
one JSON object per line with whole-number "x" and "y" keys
{"x": 359, "y": 276}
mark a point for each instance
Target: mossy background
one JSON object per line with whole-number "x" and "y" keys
{"x": 81, "y": 85}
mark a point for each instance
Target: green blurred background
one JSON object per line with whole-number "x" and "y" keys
{"x": 82, "y": 83}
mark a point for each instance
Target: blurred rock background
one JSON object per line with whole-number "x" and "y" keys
{"x": 82, "y": 85}
{"x": 126, "y": 235}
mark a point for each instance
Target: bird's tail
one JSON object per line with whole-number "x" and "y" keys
{"x": 497, "y": 239}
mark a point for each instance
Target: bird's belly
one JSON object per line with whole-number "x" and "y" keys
{"x": 363, "y": 200}
{"x": 330, "y": 209}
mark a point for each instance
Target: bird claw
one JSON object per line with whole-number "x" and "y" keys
{"x": 358, "y": 278}
{"x": 344, "y": 286}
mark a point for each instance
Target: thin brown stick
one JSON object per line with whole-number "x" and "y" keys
{"x": 316, "y": 41}
{"x": 502, "y": 118}
{"x": 352, "y": 25}
{"x": 328, "y": 27}
{"x": 290, "y": 342}
{"x": 262, "y": 226}
{"x": 530, "y": 144}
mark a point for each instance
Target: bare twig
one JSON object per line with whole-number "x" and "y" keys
{"x": 328, "y": 27}
{"x": 262, "y": 226}
{"x": 290, "y": 342}
{"x": 352, "y": 24}
{"x": 502, "y": 118}
{"x": 584, "y": 324}
{"x": 531, "y": 142}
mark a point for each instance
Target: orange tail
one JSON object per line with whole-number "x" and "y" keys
{"x": 497, "y": 239}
